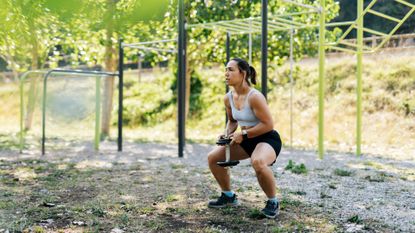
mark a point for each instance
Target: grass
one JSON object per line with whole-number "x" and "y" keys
{"x": 92, "y": 199}
{"x": 297, "y": 169}
{"x": 342, "y": 172}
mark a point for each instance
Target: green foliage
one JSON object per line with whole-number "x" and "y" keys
{"x": 341, "y": 172}
{"x": 355, "y": 219}
{"x": 297, "y": 169}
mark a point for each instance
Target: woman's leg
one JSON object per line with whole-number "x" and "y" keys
{"x": 220, "y": 173}
{"x": 261, "y": 158}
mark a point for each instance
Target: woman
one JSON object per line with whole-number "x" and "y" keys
{"x": 247, "y": 107}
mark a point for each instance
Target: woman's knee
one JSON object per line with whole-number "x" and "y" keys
{"x": 213, "y": 157}
{"x": 258, "y": 164}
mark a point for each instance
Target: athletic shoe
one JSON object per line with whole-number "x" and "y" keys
{"x": 224, "y": 201}
{"x": 271, "y": 209}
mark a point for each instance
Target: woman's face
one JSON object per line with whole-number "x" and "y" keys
{"x": 233, "y": 75}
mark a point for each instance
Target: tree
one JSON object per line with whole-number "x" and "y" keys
{"x": 206, "y": 47}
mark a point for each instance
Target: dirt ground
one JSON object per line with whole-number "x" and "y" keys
{"x": 147, "y": 188}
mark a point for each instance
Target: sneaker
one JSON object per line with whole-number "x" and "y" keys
{"x": 271, "y": 209}
{"x": 224, "y": 201}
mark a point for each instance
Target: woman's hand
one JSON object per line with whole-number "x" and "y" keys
{"x": 236, "y": 138}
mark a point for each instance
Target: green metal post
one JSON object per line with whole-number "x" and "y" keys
{"x": 97, "y": 111}
{"x": 359, "y": 67}
{"x": 322, "y": 57}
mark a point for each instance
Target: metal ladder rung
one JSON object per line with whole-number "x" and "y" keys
{"x": 342, "y": 49}
{"x": 353, "y": 45}
{"x": 371, "y": 31}
{"x": 405, "y": 3}
{"x": 384, "y": 15}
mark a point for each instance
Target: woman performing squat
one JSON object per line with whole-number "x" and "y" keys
{"x": 247, "y": 107}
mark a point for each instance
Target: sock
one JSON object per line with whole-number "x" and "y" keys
{"x": 273, "y": 200}
{"x": 228, "y": 193}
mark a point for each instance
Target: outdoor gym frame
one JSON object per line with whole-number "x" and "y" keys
{"x": 46, "y": 75}
{"x": 288, "y": 22}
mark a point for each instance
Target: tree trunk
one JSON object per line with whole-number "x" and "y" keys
{"x": 34, "y": 86}
{"x": 110, "y": 65}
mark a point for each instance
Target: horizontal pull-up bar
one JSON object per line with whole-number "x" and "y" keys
{"x": 148, "y": 42}
{"x": 152, "y": 49}
{"x": 100, "y": 74}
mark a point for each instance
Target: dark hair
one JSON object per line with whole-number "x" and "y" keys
{"x": 250, "y": 71}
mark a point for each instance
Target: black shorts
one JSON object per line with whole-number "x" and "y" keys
{"x": 272, "y": 138}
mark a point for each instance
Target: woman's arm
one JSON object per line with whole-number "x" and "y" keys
{"x": 260, "y": 108}
{"x": 232, "y": 124}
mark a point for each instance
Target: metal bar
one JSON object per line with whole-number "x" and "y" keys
{"x": 228, "y": 58}
{"x": 406, "y": 3}
{"x": 334, "y": 24}
{"x": 342, "y": 49}
{"x": 373, "y": 31}
{"x": 120, "y": 93}
{"x": 234, "y": 27}
{"x": 357, "y": 18}
{"x": 153, "y": 49}
{"x": 289, "y": 22}
{"x": 97, "y": 111}
{"x": 291, "y": 87}
{"x": 359, "y": 67}
{"x": 181, "y": 78}
{"x": 45, "y": 79}
{"x": 321, "y": 70}
{"x": 354, "y": 45}
{"x": 264, "y": 46}
{"x": 377, "y": 13}
{"x": 395, "y": 28}
{"x": 21, "y": 90}
{"x": 148, "y": 42}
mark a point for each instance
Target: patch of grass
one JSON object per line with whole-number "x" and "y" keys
{"x": 381, "y": 177}
{"x": 155, "y": 224}
{"x": 297, "y": 169}
{"x": 255, "y": 213}
{"x": 342, "y": 172}
{"x": 172, "y": 198}
{"x": 373, "y": 164}
{"x": 332, "y": 186}
{"x": 177, "y": 166}
{"x": 300, "y": 193}
{"x": 286, "y": 202}
{"x": 98, "y": 211}
{"x": 355, "y": 219}
{"x": 146, "y": 210}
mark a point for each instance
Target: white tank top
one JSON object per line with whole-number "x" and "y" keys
{"x": 245, "y": 116}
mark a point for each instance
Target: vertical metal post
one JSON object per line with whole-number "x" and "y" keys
{"x": 322, "y": 57}
{"x": 264, "y": 46}
{"x": 291, "y": 86}
{"x": 228, "y": 58}
{"x": 45, "y": 80}
{"x": 120, "y": 92}
{"x": 181, "y": 79}
{"x": 250, "y": 42}
{"x": 359, "y": 67}
{"x": 97, "y": 111}
{"x": 228, "y": 52}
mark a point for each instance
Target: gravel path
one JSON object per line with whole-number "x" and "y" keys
{"x": 350, "y": 190}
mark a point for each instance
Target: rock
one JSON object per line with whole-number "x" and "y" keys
{"x": 78, "y": 223}
{"x": 117, "y": 230}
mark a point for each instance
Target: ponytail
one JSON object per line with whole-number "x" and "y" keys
{"x": 252, "y": 75}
